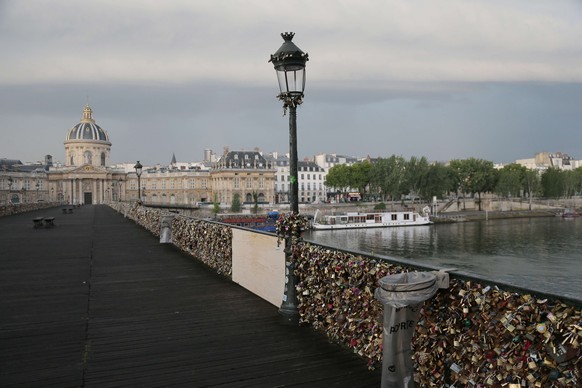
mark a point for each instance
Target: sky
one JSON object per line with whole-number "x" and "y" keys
{"x": 496, "y": 79}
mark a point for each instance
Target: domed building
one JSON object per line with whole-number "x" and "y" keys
{"x": 85, "y": 177}
{"x": 87, "y": 143}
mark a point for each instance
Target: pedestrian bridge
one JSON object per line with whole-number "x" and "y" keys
{"x": 96, "y": 301}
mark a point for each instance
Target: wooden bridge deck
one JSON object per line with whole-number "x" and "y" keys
{"x": 96, "y": 301}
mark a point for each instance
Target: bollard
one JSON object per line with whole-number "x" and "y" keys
{"x": 166, "y": 228}
{"x": 402, "y": 296}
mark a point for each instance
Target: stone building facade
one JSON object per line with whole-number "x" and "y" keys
{"x": 87, "y": 177}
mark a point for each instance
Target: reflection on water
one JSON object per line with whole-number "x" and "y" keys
{"x": 544, "y": 254}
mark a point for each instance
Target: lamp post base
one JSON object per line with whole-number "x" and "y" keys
{"x": 288, "y": 312}
{"x": 289, "y": 316}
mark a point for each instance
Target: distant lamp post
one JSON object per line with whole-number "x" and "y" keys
{"x": 138, "y": 169}
{"x": 289, "y": 62}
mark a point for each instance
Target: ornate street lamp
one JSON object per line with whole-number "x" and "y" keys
{"x": 289, "y": 62}
{"x": 138, "y": 169}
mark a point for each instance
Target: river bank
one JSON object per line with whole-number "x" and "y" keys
{"x": 475, "y": 215}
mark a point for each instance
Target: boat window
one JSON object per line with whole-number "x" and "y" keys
{"x": 370, "y": 216}
{"x": 394, "y": 217}
{"x": 406, "y": 216}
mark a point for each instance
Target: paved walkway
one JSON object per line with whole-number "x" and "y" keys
{"x": 96, "y": 301}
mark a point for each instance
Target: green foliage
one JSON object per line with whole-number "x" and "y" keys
{"x": 380, "y": 206}
{"x": 255, "y": 202}
{"x": 414, "y": 172}
{"x": 387, "y": 176}
{"x": 557, "y": 183}
{"x": 338, "y": 177}
{"x": 511, "y": 180}
{"x": 215, "y": 205}
{"x": 235, "y": 206}
{"x": 359, "y": 176}
{"x": 436, "y": 181}
{"x": 552, "y": 183}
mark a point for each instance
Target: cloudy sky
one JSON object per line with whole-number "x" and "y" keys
{"x": 495, "y": 79}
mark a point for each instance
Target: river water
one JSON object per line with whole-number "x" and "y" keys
{"x": 542, "y": 254}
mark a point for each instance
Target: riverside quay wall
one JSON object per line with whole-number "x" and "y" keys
{"x": 474, "y": 332}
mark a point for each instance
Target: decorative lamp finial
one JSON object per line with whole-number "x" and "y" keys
{"x": 287, "y": 36}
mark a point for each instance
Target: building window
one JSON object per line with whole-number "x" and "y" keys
{"x": 163, "y": 184}
{"x": 88, "y": 157}
{"x": 204, "y": 183}
{"x": 103, "y": 158}
{"x": 249, "y": 183}
{"x": 154, "y": 185}
{"x": 171, "y": 184}
{"x": 261, "y": 183}
{"x": 237, "y": 183}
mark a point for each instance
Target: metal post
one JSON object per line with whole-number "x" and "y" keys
{"x": 138, "y": 188}
{"x": 294, "y": 184}
{"x": 289, "y": 310}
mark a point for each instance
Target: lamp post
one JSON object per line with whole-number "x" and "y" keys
{"x": 138, "y": 169}
{"x": 289, "y": 62}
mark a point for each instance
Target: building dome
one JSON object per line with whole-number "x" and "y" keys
{"x": 87, "y": 143}
{"x": 87, "y": 130}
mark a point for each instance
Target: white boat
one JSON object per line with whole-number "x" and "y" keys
{"x": 369, "y": 220}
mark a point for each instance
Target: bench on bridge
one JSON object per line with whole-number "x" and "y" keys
{"x": 47, "y": 222}
{"x": 67, "y": 210}
{"x": 38, "y": 222}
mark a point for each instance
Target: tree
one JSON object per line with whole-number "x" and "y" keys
{"x": 387, "y": 175}
{"x": 436, "y": 181}
{"x": 255, "y": 202}
{"x": 359, "y": 176}
{"x": 414, "y": 172}
{"x": 551, "y": 182}
{"x": 235, "y": 206}
{"x": 532, "y": 184}
{"x": 215, "y": 205}
{"x": 474, "y": 176}
{"x": 511, "y": 180}
{"x": 379, "y": 177}
{"x": 570, "y": 182}
{"x": 338, "y": 177}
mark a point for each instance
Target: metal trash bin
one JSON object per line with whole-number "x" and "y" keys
{"x": 402, "y": 296}
{"x": 166, "y": 228}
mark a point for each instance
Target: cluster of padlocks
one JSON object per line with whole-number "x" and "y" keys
{"x": 9, "y": 209}
{"x": 149, "y": 219}
{"x": 468, "y": 334}
{"x": 209, "y": 242}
